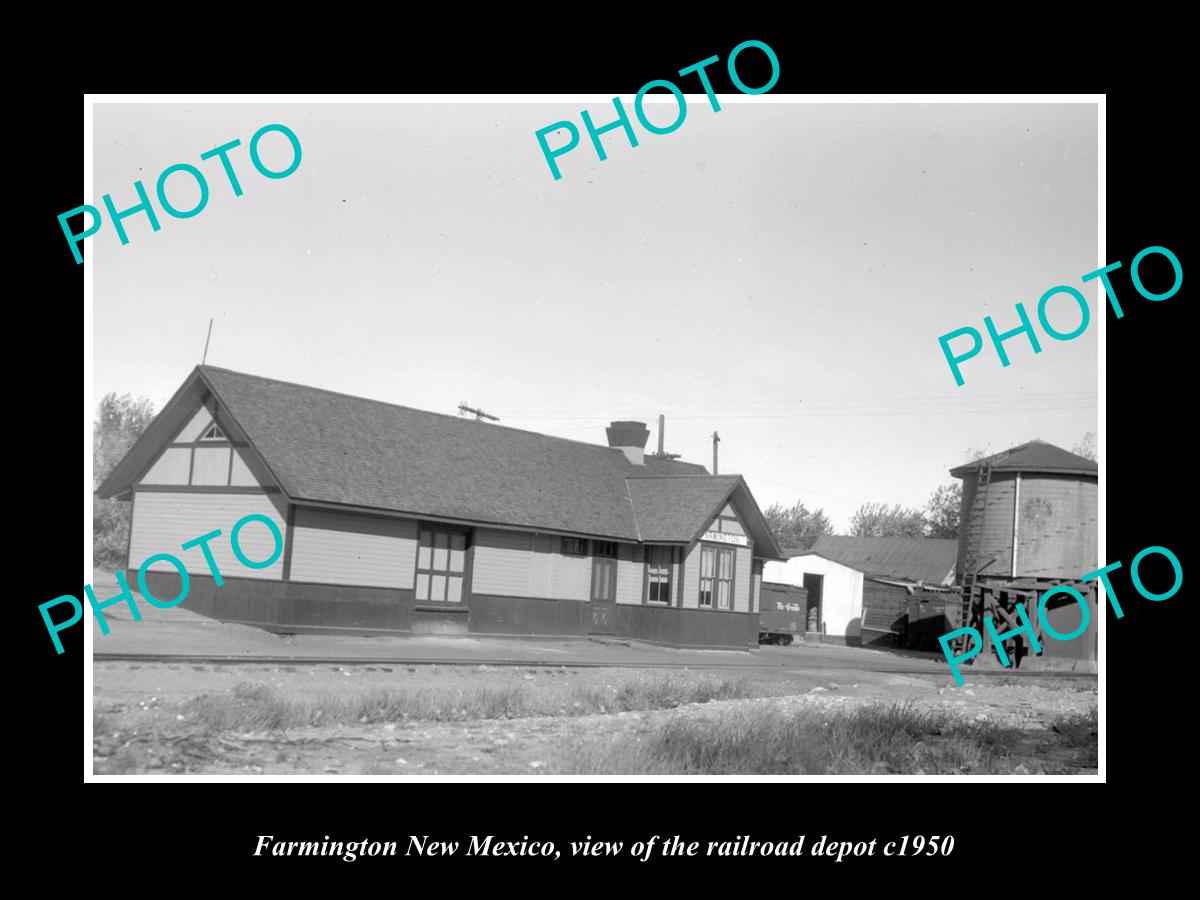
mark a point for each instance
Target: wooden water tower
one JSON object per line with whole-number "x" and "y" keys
{"x": 1029, "y": 512}
{"x": 1028, "y": 521}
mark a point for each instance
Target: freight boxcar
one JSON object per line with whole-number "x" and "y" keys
{"x": 782, "y": 613}
{"x": 902, "y": 614}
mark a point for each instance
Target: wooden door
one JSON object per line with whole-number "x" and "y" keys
{"x": 604, "y": 588}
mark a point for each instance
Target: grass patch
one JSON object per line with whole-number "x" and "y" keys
{"x": 871, "y": 739}
{"x": 259, "y": 707}
{"x": 1079, "y": 729}
{"x": 247, "y": 707}
{"x": 1079, "y": 735}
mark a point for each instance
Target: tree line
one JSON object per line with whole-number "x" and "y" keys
{"x": 120, "y": 420}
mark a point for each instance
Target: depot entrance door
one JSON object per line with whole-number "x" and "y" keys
{"x": 604, "y": 588}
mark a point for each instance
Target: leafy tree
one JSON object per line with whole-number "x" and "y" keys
{"x": 120, "y": 420}
{"x": 942, "y": 510}
{"x": 976, "y": 452}
{"x": 1086, "y": 446}
{"x": 797, "y": 528}
{"x": 881, "y": 520}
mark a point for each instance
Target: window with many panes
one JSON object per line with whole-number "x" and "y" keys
{"x": 574, "y": 547}
{"x": 658, "y": 574}
{"x": 716, "y": 577}
{"x": 441, "y": 566}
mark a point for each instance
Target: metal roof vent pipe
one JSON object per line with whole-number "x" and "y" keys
{"x": 630, "y": 438}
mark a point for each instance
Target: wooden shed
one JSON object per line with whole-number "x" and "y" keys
{"x": 862, "y": 585}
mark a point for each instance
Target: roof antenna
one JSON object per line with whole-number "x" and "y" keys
{"x": 479, "y": 414}
{"x": 206, "y": 340}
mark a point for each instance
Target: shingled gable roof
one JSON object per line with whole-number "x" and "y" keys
{"x": 1034, "y": 456}
{"x": 930, "y": 560}
{"x": 333, "y": 448}
{"x": 668, "y": 507}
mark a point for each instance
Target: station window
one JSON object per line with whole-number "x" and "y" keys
{"x": 658, "y": 574}
{"x": 716, "y": 577}
{"x": 606, "y": 549}
{"x": 574, "y": 547}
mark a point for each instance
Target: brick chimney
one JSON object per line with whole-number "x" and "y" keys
{"x": 630, "y": 438}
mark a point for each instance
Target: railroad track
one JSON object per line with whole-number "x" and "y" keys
{"x": 389, "y": 661}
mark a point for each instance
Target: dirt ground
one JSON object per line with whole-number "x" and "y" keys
{"x": 145, "y": 718}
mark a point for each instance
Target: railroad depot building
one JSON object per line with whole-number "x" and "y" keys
{"x": 396, "y": 520}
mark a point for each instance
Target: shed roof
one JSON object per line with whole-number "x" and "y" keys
{"x": 930, "y": 560}
{"x": 1033, "y": 456}
{"x": 327, "y": 447}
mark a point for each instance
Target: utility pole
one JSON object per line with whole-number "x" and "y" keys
{"x": 206, "y": 340}
{"x": 663, "y": 454}
{"x": 716, "y": 440}
{"x": 479, "y": 414}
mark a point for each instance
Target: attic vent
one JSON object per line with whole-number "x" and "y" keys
{"x": 213, "y": 433}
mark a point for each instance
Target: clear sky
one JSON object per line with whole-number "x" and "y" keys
{"x": 777, "y": 272}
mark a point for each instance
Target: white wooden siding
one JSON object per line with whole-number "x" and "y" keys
{"x": 330, "y": 547}
{"x": 170, "y": 468}
{"x": 502, "y": 563}
{"x": 163, "y": 521}
{"x": 571, "y": 576}
{"x": 515, "y": 564}
{"x": 676, "y": 575}
{"x": 691, "y": 579}
{"x": 541, "y": 566}
{"x": 757, "y": 593}
{"x": 631, "y": 571}
{"x": 742, "y": 568}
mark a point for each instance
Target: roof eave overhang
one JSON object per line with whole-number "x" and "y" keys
{"x": 963, "y": 471}
{"x": 466, "y": 521}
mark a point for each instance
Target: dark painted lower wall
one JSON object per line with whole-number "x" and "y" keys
{"x": 289, "y": 606}
{"x": 688, "y": 627}
{"x": 286, "y": 607}
{"x": 526, "y": 615}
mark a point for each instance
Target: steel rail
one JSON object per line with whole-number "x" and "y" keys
{"x": 544, "y": 664}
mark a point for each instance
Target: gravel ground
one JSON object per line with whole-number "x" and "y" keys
{"x": 143, "y": 719}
